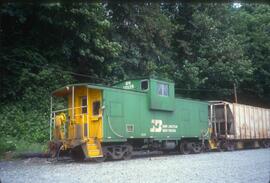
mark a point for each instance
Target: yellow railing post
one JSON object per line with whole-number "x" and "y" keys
{"x": 51, "y": 120}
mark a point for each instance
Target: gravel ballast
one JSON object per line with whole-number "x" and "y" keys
{"x": 238, "y": 166}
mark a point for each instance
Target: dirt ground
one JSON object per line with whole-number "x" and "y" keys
{"x": 238, "y": 166}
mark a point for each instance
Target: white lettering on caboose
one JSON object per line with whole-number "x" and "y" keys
{"x": 128, "y": 85}
{"x": 158, "y": 126}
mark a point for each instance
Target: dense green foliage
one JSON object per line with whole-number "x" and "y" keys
{"x": 204, "y": 48}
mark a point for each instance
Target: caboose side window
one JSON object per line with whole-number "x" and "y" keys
{"x": 144, "y": 85}
{"x": 163, "y": 89}
{"x": 96, "y": 106}
{"x": 84, "y": 104}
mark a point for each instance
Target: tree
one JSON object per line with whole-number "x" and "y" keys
{"x": 144, "y": 33}
{"x": 251, "y": 24}
{"x": 42, "y": 46}
{"x": 211, "y": 56}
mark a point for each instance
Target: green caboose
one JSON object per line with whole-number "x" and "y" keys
{"x": 134, "y": 114}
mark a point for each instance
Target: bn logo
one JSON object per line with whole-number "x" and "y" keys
{"x": 157, "y": 125}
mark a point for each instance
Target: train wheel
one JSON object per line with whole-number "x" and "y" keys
{"x": 196, "y": 147}
{"x": 230, "y": 146}
{"x": 128, "y": 153}
{"x": 226, "y": 146}
{"x": 103, "y": 158}
{"x": 184, "y": 148}
{"x": 54, "y": 149}
{"x": 221, "y": 146}
{"x": 77, "y": 153}
{"x": 266, "y": 144}
{"x": 117, "y": 152}
{"x": 100, "y": 159}
{"x": 207, "y": 149}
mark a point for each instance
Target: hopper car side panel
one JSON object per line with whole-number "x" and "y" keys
{"x": 250, "y": 125}
{"x": 251, "y": 122}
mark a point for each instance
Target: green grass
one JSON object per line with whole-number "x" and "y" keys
{"x": 18, "y": 147}
{"x": 26, "y": 147}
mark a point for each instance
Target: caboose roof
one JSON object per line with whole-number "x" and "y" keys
{"x": 63, "y": 91}
{"x": 143, "y": 78}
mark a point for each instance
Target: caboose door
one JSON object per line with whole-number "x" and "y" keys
{"x": 95, "y": 113}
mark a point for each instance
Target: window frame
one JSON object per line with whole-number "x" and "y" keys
{"x": 127, "y": 128}
{"x": 93, "y": 108}
{"x": 84, "y": 108}
{"x": 162, "y": 94}
{"x": 147, "y": 84}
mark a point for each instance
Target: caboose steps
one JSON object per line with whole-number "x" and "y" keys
{"x": 92, "y": 148}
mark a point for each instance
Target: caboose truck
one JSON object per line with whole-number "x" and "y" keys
{"x": 110, "y": 122}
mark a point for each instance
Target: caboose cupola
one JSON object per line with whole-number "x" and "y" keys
{"x": 160, "y": 92}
